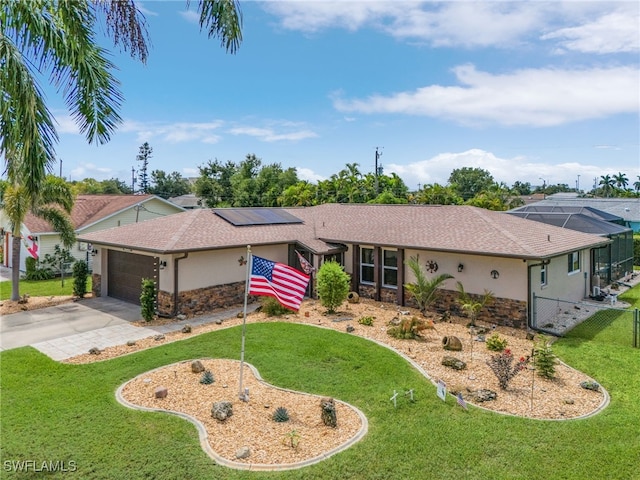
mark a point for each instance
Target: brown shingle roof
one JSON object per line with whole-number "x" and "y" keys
{"x": 89, "y": 209}
{"x": 445, "y": 228}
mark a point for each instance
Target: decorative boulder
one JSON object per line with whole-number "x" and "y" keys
{"x": 453, "y": 362}
{"x": 197, "y": 366}
{"x": 244, "y": 452}
{"x": 186, "y": 328}
{"x": 221, "y": 410}
{"x": 452, "y": 343}
{"x": 353, "y": 297}
{"x": 350, "y": 328}
{"x": 94, "y": 351}
{"x": 590, "y": 385}
{"x": 328, "y": 406}
{"x": 484, "y": 395}
{"x": 161, "y": 392}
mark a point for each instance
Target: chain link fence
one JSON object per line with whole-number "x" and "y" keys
{"x": 599, "y": 321}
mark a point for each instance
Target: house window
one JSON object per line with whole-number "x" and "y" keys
{"x": 390, "y": 268}
{"x": 366, "y": 265}
{"x": 543, "y": 275}
{"x": 574, "y": 262}
{"x": 335, "y": 257}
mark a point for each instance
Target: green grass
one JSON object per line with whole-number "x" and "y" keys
{"x": 41, "y": 288}
{"x": 53, "y": 411}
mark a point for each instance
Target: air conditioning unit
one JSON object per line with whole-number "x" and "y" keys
{"x": 596, "y": 291}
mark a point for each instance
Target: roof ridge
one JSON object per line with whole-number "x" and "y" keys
{"x": 487, "y": 218}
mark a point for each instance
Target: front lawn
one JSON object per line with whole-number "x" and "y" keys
{"x": 41, "y": 288}
{"x": 60, "y": 412}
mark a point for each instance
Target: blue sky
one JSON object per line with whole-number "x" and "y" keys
{"x": 529, "y": 91}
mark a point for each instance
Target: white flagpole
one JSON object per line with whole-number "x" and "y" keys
{"x": 241, "y": 394}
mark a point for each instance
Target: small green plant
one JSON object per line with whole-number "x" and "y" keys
{"x": 504, "y": 369}
{"x": 368, "y": 321}
{"x": 496, "y": 343}
{"x": 207, "y": 378}
{"x": 333, "y": 285}
{"x": 545, "y": 359}
{"x": 425, "y": 290}
{"x": 292, "y": 439}
{"x": 473, "y": 304}
{"x": 280, "y": 415}
{"x": 148, "y": 299}
{"x": 80, "y": 274}
{"x": 272, "y": 308}
{"x": 410, "y": 328}
{"x": 34, "y": 272}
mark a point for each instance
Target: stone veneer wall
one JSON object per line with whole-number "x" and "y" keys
{"x": 202, "y": 300}
{"x": 96, "y": 284}
{"x": 502, "y": 311}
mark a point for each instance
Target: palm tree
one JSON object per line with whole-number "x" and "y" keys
{"x": 473, "y": 305}
{"x": 57, "y": 40}
{"x": 424, "y": 290}
{"x": 607, "y": 184}
{"x": 621, "y": 180}
{"x": 636, "y": 184}
{"x": 53, "y": 203}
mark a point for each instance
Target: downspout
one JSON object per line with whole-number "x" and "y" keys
{"x": 175, "y": 283}
{"x": 529, "y": 295}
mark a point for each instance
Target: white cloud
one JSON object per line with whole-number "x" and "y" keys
{"x": 584, "y": 26}
{"x": 290, "y": 132}
{"x": 89, "y": 170}
{"x": 178, "y": 132}
{"x": 508, "y": 170}
{"x": 534, "y": 97}
{"x": 190, "y": 16}
{"x": 614, "y": 32}
{"x": 308, "y": 175}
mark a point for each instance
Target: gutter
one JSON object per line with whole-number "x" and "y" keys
{"x": 175, "y": 283}
{"x": 529, "y": 300}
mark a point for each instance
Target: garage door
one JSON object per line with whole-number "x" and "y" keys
{"x": 125, "y": 274}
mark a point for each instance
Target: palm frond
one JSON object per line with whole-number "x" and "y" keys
{"x": 222, "y": 19}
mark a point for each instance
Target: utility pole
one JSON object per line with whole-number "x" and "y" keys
{"x": 60, "y": 167}
{"x": 578, "y": 184}
{"x": 133, "y": 180}
{"x": 378, "y": 155}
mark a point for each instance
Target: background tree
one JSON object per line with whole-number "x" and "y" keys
{"x": 333, "y": 285}
{"x": 213, "y": 185}
{"x": 301, "y": 194}
{"x": 621, "y": 180}
{"x": 167, "y": 186}
{"x": 437, "y": 194}
{"x": 144, "y": 154}
{"x": 520, "y": 188}
{"x": 469, "y": 182}
{"x": 607, "y": 183}
{"x": 57, "y": 40}
{"x": 53, "y": 203}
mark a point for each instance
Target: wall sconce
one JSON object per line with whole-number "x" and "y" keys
{"x": 162, "y": 264}
{"x": 495, "y": 274}
{"x": 460, "y": 267}
{"x": 94, "y": 252}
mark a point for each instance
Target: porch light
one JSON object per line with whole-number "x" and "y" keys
{"x": 460, "y": 267}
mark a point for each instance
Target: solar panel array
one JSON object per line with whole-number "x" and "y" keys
{"x": 243, "y": 217}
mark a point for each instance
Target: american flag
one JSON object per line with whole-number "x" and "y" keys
{"x": 461, "y": 401}
{"x": 304, "y": 263}
{"x": 273, "y": 279}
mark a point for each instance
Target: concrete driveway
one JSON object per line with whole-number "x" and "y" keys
{"x": 42, "y": 325}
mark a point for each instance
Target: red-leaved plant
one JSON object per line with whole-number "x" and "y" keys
{"x": 503, "y": 367}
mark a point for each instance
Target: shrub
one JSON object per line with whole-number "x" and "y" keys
{"x": 207, "y": 378}
{"x": 424, "y": 291}
{"x": 502, "y": 366}
{"x": 272, "y": 308}
{"x": 148, "y": 299}
{"x": 368, "y": 321}
{"x": 495, "y": 343}
{"x": 80, "y": 274}
{"x": 33, "y": 272}
{"x": 333, "y": 285}
{"x": 545, "y": 359}
{"x": 280, "y": 415}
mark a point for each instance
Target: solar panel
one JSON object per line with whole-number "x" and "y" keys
{"x": 242, "y": 217}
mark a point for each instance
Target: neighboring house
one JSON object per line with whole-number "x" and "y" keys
{"x": 90, "y": 213}
{"x": 198, "y": 258}
{"x": 626, "y": 208}
{"x": 612, "y": 262}
{"x": 188, "y": 201}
